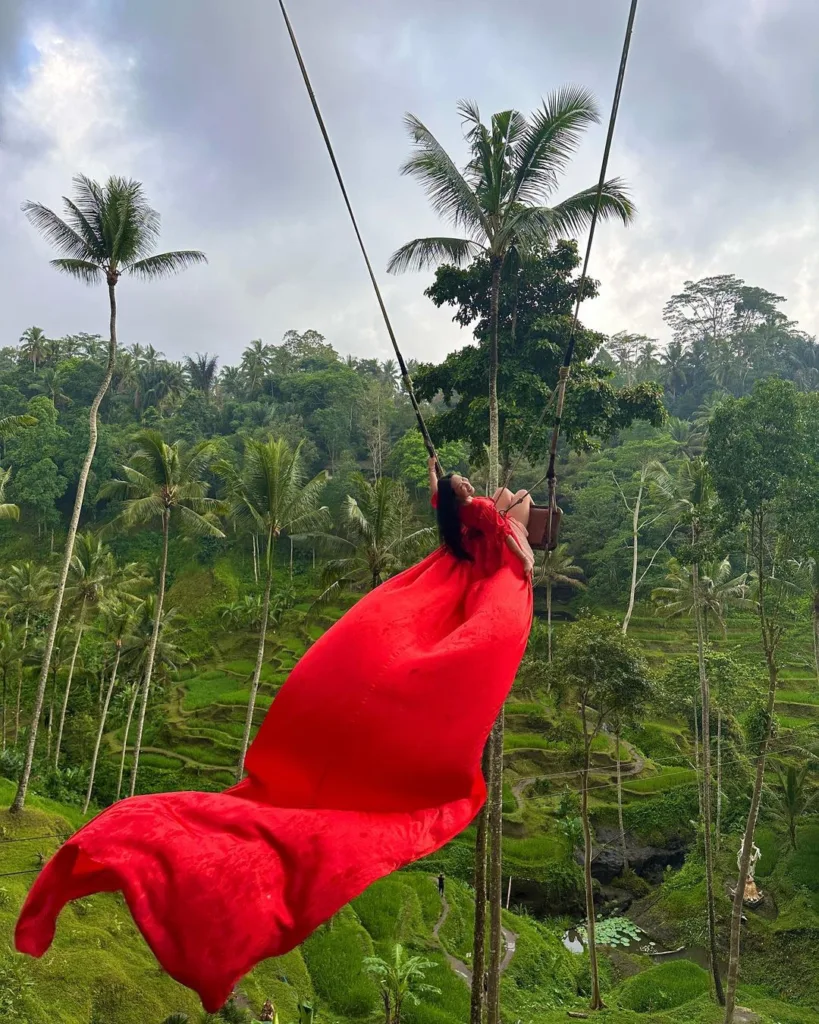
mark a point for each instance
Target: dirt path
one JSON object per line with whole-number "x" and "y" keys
{"x": 510, "y": 942}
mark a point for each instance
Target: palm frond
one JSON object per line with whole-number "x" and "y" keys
{"x": 447, "y": 190}
{"x": 550, "y": 140}
{"x": 87, "y": 272}
{"x": 166, "y": 263}
{"x": 196, "y": 524}
{"x": 429, "y": 252}
{"x": 574, "y": 214}
{"x": 55, "y": 230}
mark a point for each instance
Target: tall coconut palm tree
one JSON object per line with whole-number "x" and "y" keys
{"x": 271, "y": 495}
{"x": 497, "y": 200}
{"x": 202, "y": 373}
{"x": 117, "y": 621}
{"x": 557, "y": 569}
{"x": 672, "y": 361}
{"x": 376, "y": 538}
{"x": 94, "y": 574}
{"x": 34, "y": 345}
{"x": 107, "y": 231}
{"x": 136, "y": 648}
{"x": 164, "y": 482}
{"x": 256, "y": 364}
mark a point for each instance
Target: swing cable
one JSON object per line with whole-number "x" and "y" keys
{"x": 405, "y": 375}
{"x": 565, "y": 369}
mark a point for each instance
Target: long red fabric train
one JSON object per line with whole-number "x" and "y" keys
{"x": 369, "y": 758}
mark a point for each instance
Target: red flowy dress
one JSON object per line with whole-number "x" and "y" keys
{"x": 369, "y": 758}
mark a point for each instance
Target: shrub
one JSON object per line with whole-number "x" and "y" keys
{"x": 664, "y": 987}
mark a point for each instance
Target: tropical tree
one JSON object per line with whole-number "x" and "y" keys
{"x": 672, "y": 361}
{"x": 8, "y": 510}
{"x": 202, "y": 373}
{"x": 117, "y": 620}
{"x": 718, "y": 589}
{"x": 557, "y": 569}
{"x": 163, "y": 482}
{"x": 377, "y": 537}
{"x": 757, "y": 452}
{"x": 400, "y": 979}
{"x": 24, "y": 594}
{"x": 107, "y": 231}
{"x": 497, "y": 200}
{"x": 256, "y": 364}
{"x": 94, "y": 574}
{"x": 792, "y": 798}
{"x": 271, "y": 495}
{"x": 10, "y": 657}
{"x": 610, "y": 676}
{"x": 34, "y": 345}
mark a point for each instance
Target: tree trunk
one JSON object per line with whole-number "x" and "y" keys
{"x": 131, "y": 706}
{"x": 51, "y": 713}
{"x": 257, "y": 671}
{"x": 620, "y": 802}
{"x": 496, "y": 263}
{"x": 495, "y": 887}
{"x": 549, "y": 618}
{"x": 635, "y": 522}
{"x": 22, "y": 789}
{"x": 18, "y": 702}
{"x": 5, "y": 674}
{"x": 816, "y": 633}
{"x": 718, "y": 827}
{"x": 80, "y": 626}
{"x": 756, "y": 796}
{"x": 149, "y": 664}
{"x": 705, "y": 700}
{"x": 697, "y": 756}
{"x": 479, "y": 940}
{"x": 255, "y": 559}
{"x": 101, "y": 730}
{"x": 596, "y": 1001}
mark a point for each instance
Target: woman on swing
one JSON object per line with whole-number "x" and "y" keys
{"x": 368, "y": 759}
{"x": 461, "y": 515}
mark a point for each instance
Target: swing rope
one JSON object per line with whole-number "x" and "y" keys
{"x": 405, "y": 375}
{"x": 560, "y": 392}
{"x": 565, "y": 369}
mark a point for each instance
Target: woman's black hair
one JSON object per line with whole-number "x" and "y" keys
{"x": 449, "y": 521}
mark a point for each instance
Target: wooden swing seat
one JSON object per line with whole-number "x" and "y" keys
{"x": 540, "y": 537}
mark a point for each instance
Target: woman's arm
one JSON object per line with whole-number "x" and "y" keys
{"x": 525, "y": 557}
{"x": 433, "y": 477}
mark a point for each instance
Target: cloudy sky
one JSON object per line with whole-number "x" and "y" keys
{"x": 201, "y": 100}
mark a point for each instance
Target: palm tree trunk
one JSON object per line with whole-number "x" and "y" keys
{"x": 635, "y": 522}
{"x": 549, "y": 618}
{"x": 494, "y": 423}
{"x": 19, "y": 701}
{"x": 22, "y": 789}
{"x": 5, "y": 674}
{"x": 596, "y": 1001}
{"x": 149, "y": 663}
{"x": 697, "y": 756}
{"x": 257, "y": 670}
{"x": 255, "y": 559}
{"x": 495, "y": 887}
{"x": 131, "y": 706}
{"x": 816, "y": 633}
{"x": 80, "y": 626}
{"x": 101, "y": 730}
{"x": 479, "y": 940}
{"x": 620, "y": 801}
{"x": 718, "y": 826}
{"x": 756, "y": 796}
{"x": 705, "y": 700}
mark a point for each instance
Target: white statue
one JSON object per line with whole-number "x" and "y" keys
{"x": 756, "y": 853}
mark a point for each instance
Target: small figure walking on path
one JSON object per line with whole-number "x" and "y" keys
{"x": 268, "y": 1011}
{"x": 441, "y": 885}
